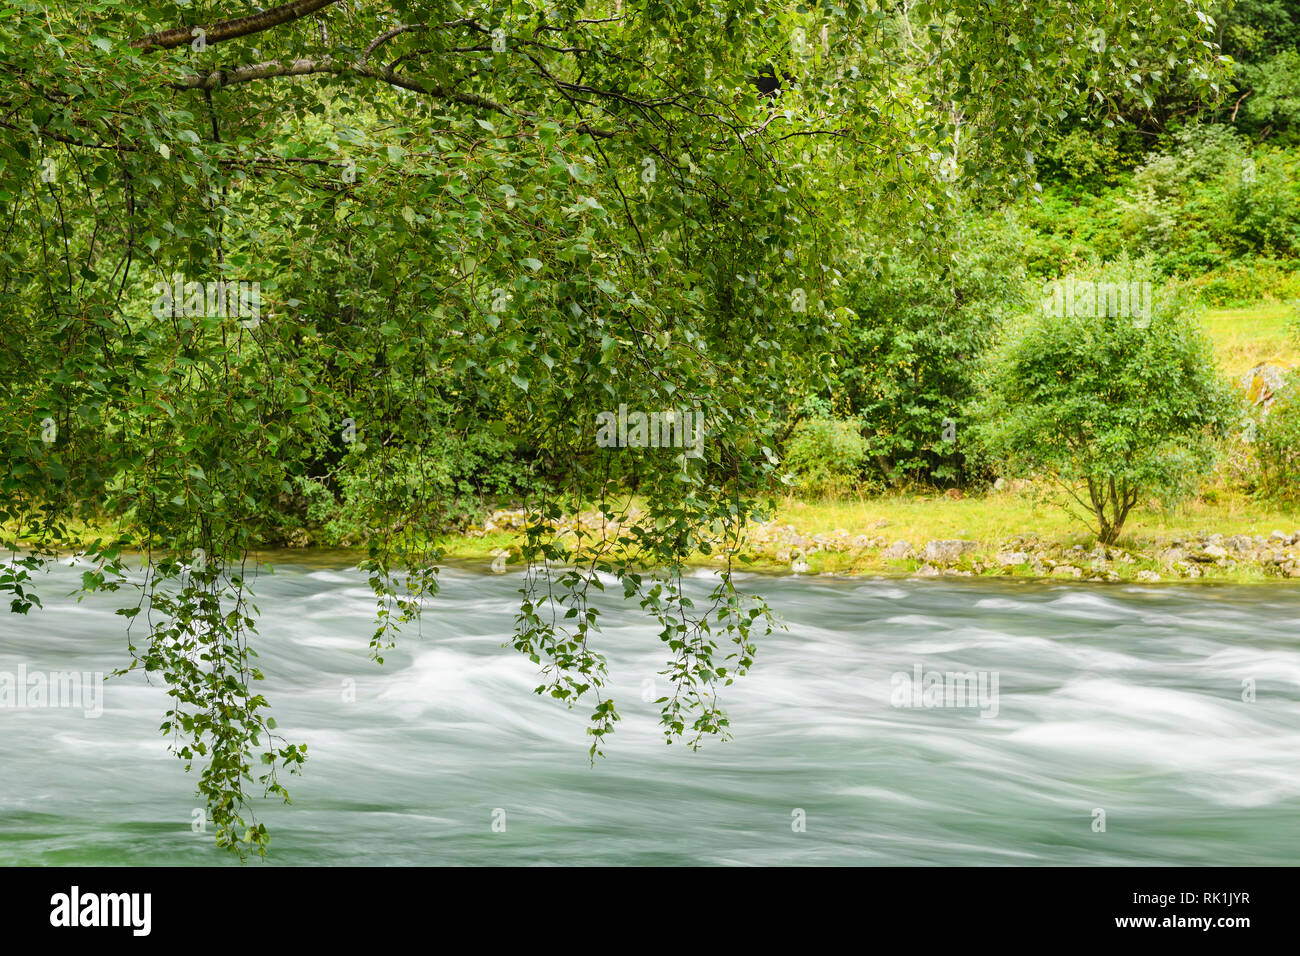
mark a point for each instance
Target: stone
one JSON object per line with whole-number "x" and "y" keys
{"x": 949, "y": 550}
{"x": 1066, "y": 571}
{"x": 897, "y": 551}
{"x": 1239, "y": 543}
{"x": 1171, "y": 556}
{"x": 927, "y": 571}
{"x": 1010, "y": 558}
{"x": 1148, "y": 576}
{"x": 1209, "y": 554}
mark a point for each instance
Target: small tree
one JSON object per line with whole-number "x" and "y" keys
{"x": 1112, "y": 403}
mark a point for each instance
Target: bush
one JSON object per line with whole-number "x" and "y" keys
{"x": 1111, "y": 407}
{"x": 1279, "y": 443}
{"x": 1246, "y": 285}
{"x": 1207, "y": 201}
{"x": 826, "y": 455}
{"x": 1089, "y": 157}
{"x": 909, "y": 350}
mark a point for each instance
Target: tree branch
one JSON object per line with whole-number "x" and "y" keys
{"x": 336, "y": 67}
{"x": 231, "y": 29}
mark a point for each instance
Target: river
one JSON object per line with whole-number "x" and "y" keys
{"x": 1116, "y": 725}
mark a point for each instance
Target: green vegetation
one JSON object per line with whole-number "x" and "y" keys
{"x": 1114, "y": 406}
{"x": 464, "y": 235}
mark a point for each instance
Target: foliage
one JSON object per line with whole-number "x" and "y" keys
{"x": 826, "y": 455}
{"x": 1278, "y": 445}
{"x": 910, "y": 347}
{"x": 1206, "y": 201}
{"x": 1112, "y": 407}
{"x": 470, "y": 212}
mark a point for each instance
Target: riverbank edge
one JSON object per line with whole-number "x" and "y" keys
{"x": 773, "y": 548}
{"x": 1217, "y": 558}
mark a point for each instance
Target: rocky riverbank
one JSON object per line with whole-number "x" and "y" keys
{"x": 773, "y": 545}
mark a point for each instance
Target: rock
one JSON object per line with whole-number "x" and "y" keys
{"x": 1172, "y": 556}
{"x": 897, "y": 551}
{"x": 1191, "y": 571}
{"x": 949, "y": 550}
{"x": 1210, "y": 554}
{"x": 1148, "y": 576}
{"x": 1066, "y": 571}
{"x": 1291, "y": 570}
{"x": 1239, "y": 543}
{"x": 927, "y": 571}
{"x": 1279, "y": 538}
{"x": 1009, "y": 558}
{"x": 861, "y": 541}
{"x": 999, "y": 484}
{"x": 1263, "y": 382}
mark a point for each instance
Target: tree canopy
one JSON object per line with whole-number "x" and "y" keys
{"x": 462, "y": 216}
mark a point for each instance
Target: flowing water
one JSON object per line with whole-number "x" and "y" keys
{"x": 1130, "y": 700}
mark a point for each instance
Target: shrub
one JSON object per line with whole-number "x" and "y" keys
{"x": 909, "y": 350}
{"x": 1207, "y": 201}
{"x": 1245, "y": 285}
{"x": 1110, "y": 408}
{"x": 826, "y": 455}
{"x": 1279, "y": 443}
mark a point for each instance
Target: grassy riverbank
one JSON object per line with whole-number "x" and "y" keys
{"x": 1016, "y": 533}
{"x": 1005, "y": 533}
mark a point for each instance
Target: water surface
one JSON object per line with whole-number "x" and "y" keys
{"x": 1123, "y": 699}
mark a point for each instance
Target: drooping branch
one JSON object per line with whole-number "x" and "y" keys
{"x": 332, "y": 66}
{"x": 231, "y": 29}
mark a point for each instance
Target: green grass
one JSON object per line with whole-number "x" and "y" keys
{"x": 1243, "y": 338}
{"x": 999, "y": 516}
